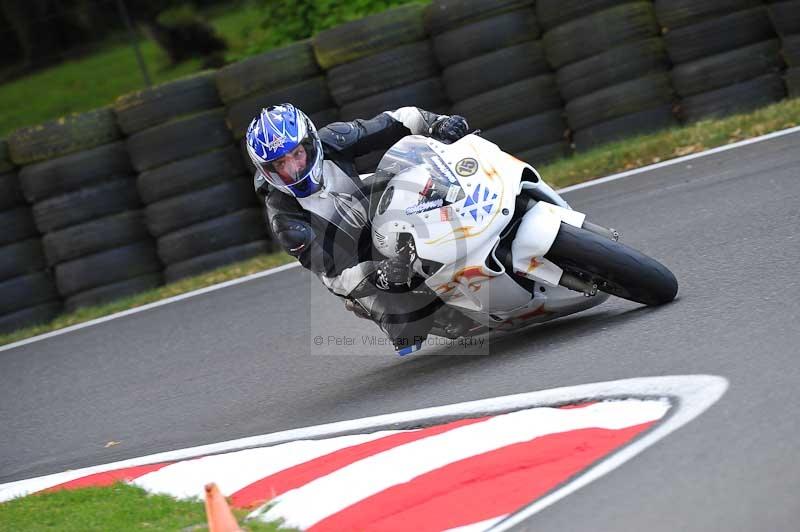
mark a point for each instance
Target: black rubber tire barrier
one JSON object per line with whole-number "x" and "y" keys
{"x": 793, "y": 82}
{"x": 29, "y": 317}
{"x": 17, "y": 224}
{"x": 529, "y": 132}
{"x": 26, "y": 291}
{"x": 718, "y": 35}
{"x": 639, "y": 123}
{"x": 93, "y": 237}
{"x": 212, "y": 235}
{"x": 21, "y": 258}
{"x": 785, "y": 17}
{"x": 548, "y": 153}
{"x": 281, "y": 66}
{"x": 791, "y": 50}
{"x": 178, "y": 140}
{"x": 368, "y": 163}
{"x": 523, "y": 98}
{"x": 66, "y": 135}
{"x": 10, "y": 191}
{"x": 354, "y": 40}
{"x": 445, "y": 15}
{"x": 85, "y": 204}
{"x": 381, "y": 72}
{"x": 553, "y": 13}
{"x": 494, "y": 70}
{"x": 629, "y": 61}
{"x": 311, "y": 95}
{"x": 217, "y": 259}
{"x": 110, "y": 292}
{"x": 596, "y": 33}
{"x": 674, "y": 14}
{"x": 324, "y": 117}
{"x": 194, "y": 207}
{"x": 727, "y": 68}
{"x": 482, "y": 37}
{"x": 190, "y": 174}
{"x": 619, "y": 100}
{"x": 427, "y": 94}
{"x": 72, "y": 172}
{"x": 740, "y": 97}
{"x": 157, "y": 105}
{"x": 107, "y": 267}
{"x": 5, "y": 159}
{"x": 644, "y": 279}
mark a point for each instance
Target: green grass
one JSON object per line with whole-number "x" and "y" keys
{"x": 605, "y": 160}
{"x": 119, "y": 507}
{"x": 669, "y": 144}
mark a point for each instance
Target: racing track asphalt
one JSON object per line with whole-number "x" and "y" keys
{"x": 241, "y": 361}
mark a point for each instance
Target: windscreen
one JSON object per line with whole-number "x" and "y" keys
{"x": 414, "y": 152}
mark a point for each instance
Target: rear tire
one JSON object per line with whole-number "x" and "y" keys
{"x": 616, "y": 268}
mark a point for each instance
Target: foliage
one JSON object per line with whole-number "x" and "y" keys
{"x": 281, "y": 22}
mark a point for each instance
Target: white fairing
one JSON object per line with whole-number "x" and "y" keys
{"x": 456, "y": 201}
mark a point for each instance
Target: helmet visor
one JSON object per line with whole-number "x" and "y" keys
{"x": 292, "y": 168}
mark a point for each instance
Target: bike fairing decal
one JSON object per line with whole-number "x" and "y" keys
{"x": 424, "y": 207}
{"x": 469, "y": 231}
{"x": 485, "y": 204}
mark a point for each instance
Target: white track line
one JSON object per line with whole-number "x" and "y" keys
{"x": 265, "y": 273}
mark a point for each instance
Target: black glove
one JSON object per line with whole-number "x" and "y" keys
{"x": 449, "y": 127}
{"x": 393, "y": 274}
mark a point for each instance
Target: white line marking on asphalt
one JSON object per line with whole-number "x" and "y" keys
{"x": 265, "y": 273}
{"x": 693, "y": 394}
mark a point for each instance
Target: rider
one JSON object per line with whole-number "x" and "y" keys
{"x": 317, "y": 207}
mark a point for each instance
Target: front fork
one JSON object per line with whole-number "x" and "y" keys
{"x": 539, "y": 227}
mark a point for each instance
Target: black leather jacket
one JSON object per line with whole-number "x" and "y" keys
{"x": 334, "y": 248}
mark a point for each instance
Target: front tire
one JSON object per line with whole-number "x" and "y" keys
{"x": 616, "y": 268}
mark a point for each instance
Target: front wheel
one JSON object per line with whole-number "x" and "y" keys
{"x": 616, "y": 268}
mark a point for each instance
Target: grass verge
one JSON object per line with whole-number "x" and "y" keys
{"x": 118, "y": 507}
{"x": 602, "y": 161}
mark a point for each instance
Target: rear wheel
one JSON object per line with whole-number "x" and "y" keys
{"x": 616, "y": 268}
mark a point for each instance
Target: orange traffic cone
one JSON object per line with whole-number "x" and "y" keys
{"x": 220, "y": 517}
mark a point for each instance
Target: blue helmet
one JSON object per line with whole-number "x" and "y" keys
{"x": 284, "y": 146}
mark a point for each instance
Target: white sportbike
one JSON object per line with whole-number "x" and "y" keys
{"x": 497, "y": 244}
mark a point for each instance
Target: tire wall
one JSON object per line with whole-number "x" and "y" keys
{"x": 199, "y": 203}
{"x": 28, "y": 294}
{"x": 381, "y": 62}
{"x": 496, "y": 73}
{"x": 725, "y": 56}
{"x": 611, "y": 68}
{"x": 785, "y": 18}
{"x": 77, "y": 177}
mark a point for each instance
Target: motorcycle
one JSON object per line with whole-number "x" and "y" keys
{"x": 498, "y": 245}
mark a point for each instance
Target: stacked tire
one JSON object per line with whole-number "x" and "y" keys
{"x": 199, "y": 205}
{"x": 725, "y": 56}
{"x": 288, "y": 74}
{"x": 379, "y": 63}
{"x": 785, "y": 16}
{"x": 27, "y": 293}
{"x": 611, "y": 67}
{"x": 79, "y": 178}
{"x": 496, "y": 74}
